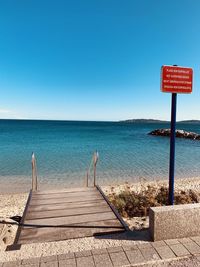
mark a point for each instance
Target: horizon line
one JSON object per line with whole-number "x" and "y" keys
{"x": 75, "y": 120}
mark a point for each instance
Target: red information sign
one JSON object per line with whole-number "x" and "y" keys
{"x": 176, "y": 79}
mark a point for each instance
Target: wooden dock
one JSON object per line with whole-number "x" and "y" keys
{"x": 67, "y": 214}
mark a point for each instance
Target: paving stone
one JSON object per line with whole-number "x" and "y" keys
{"x": 178, "y": 262}
{"x": 99, "y": 251}
{"x": 150, "y": 254}
{"x": 198, "y": 258}
{"x": 192, "y": 247}
{"x": 144, "y": 245}
{"x": 119, "y": 259}
{"x": 172, "y": 242}
{"x": 158, "y": 244}
{"x": 30, "y": 261}
{"x": 196, "y": 239}
{"x": 85, "y": 262}
{"x": 83, "y": 253}
{"x": 115, "y": 249}
{"x": 179, "y": 250}
{"x": 48, "y": 258}
{"x": 49, "y": 264}
{"x": 165, "y": 252}
{"x": 185, "y": 240}
{"x": 135, "y": 256}
{"x": 66, "y": 256}
{"x": 67, "y": 263}
{"x": 11, "y": 263}
{"x": 102, "y": 260}
{"x": 126, "y": 248}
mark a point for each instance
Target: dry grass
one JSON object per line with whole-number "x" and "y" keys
{"x": 136, "y": 204}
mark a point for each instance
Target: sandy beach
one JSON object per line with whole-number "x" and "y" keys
{"x": 13, "y": 204}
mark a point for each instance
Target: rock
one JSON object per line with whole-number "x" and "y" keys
{"x": 179, "y": 134}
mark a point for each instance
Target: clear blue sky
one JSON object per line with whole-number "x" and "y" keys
{"x": 96, "y": 59}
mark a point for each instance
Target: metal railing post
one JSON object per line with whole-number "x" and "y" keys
{"x": 87, "y": 178}
{"x": 96, "y": 157}
{"x": 94, "y": 164}
{"x": 34, "y": 173}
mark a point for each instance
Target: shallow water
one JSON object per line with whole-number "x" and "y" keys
{"x": 64, "y": 149}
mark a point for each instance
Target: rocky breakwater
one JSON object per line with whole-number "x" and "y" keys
{"x": 179, "y": 134}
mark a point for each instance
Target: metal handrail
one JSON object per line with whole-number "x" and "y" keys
{"x": 34, "y": 173}
{"x": 93, "y": 163}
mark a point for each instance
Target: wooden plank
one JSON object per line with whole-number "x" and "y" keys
{"x": 64, "y": 200}
{"x": 113, "y": 208}
{"x": 72, "y": 205}
{"x": 78, "y": 230}
{"x": 66, "y": 212}
{"x": 66, "y": 190}
{"x": 71, "y": 219}
{"x": 65, "y": 195}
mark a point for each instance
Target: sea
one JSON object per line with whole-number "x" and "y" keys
{"x": 64, "y": 149}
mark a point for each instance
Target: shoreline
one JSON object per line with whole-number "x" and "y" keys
{"x": 22, "y": 187}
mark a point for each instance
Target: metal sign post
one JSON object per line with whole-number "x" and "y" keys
{"x": 172, "y": 150}
{"x": 174, "y": 79}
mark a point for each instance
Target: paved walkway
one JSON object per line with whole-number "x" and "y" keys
{"x": 136, "y": 255}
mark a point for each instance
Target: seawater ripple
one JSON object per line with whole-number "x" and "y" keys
{"x": 64, "y": 148}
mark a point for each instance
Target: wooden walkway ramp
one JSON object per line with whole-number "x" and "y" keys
{"x": 66, "y": 214}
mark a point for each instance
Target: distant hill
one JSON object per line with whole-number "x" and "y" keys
{"x": 158, "y": 121}
{"x": 190, "y": 121}
{"x": 143, "y": 121}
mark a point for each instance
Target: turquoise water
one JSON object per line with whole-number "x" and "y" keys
{"x": 63, "y": 150}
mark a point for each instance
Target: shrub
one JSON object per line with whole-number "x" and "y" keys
{"x": 136, "y": 204}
